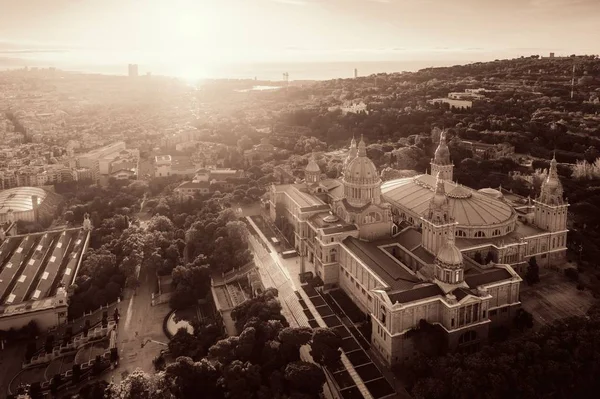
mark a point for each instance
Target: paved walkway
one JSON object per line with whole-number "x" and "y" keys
{"x": 271, "y": 270}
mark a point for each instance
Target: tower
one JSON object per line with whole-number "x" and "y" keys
{"x": 440, "y": 164}
{"x": 132, "y": 70}
{"x": 449, "y": 266}
{"x": 312, "y": 173}
{"x": 550, "y": 208}
{"x": 438, "y": 224}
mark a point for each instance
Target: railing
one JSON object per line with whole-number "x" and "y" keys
{"x": 77, "y": 342}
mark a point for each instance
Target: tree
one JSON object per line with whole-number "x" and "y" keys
{"x": 160, "y": 223}
{"x": 325, "y": 347}
{"x": 140, "y": 385}
{"x": 183, "y": 344}
{"x": 245, "y": 143}
{"x": 240, "y": 378}
{"x": 264, "y": 307}
{"x": 305, "y": 377}
{"x": 523, "y": 319}
{"x": 512, "y": 369}
{"x": 532, "y": 275}
{"x": 186, "y": 379}
{"x": 183, "y": 297}
{"x": 69, "y": 216}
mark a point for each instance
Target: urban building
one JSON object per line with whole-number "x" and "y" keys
{"x": 260, "y": 152}
{"x": 404, "y": 250}
{"x": 167, "y": 165}
{"x": 132, "y": 70}
{"x": 191, "y": 188}
{"x": 28, "y": 203}
{"x": 36, "y": 274}
{"x": 488, "y": 151}
{"x": 99, "y": 159}
{"x": 453, "y": 103}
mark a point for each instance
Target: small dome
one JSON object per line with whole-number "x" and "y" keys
{"x": 330, "y": 219}
{"x": 313, "y": 166}
{"x": 450, "y": 255}
{"x": 491, "y": 192}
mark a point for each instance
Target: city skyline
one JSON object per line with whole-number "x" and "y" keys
{"x": 209, "y": 33}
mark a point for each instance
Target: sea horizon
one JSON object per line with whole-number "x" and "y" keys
{"x": 262, "y": 71}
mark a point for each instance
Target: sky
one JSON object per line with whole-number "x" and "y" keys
{"x": 231, "y": 31}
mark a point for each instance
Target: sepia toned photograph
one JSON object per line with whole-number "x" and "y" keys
{"x": 299, "y": 199}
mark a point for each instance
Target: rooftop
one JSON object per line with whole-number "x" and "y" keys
{"x": 33, "y": 266}
{"x": 194, "y": 184}
{"x": 415, "y": 294}
{"x": 382, "y": 263}
{"x": 299, "y": 196}
{"x": 487, "y": 277}
{"x": 162, "y": 158}
{"x": 469, "y": 207}
{"x": 19, "y": 198}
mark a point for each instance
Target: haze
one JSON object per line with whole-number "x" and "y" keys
{"x": 212, "y": 32}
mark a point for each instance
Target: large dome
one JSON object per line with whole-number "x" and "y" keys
{"x": 472, "y": 210}
{"x": 361, "y": 170}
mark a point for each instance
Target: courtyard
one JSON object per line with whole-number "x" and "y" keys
{"x": 554, "y": 297}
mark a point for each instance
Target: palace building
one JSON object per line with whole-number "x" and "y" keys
{"x": 421, "y": 249}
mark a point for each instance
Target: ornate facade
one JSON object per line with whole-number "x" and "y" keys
{"x": 350, "y": 230}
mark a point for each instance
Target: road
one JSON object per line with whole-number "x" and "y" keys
{"x": 139, "y": 322}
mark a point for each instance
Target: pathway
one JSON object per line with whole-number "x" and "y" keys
{"x": 271, "y": 269}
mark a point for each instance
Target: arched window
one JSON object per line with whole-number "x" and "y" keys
{"x": 460, "y": 233}
{"x": 496, "y": 232}
{"x": 479, "y": 234}
{"x": 508, "y": 229}
{"x": 333, "y": 255}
